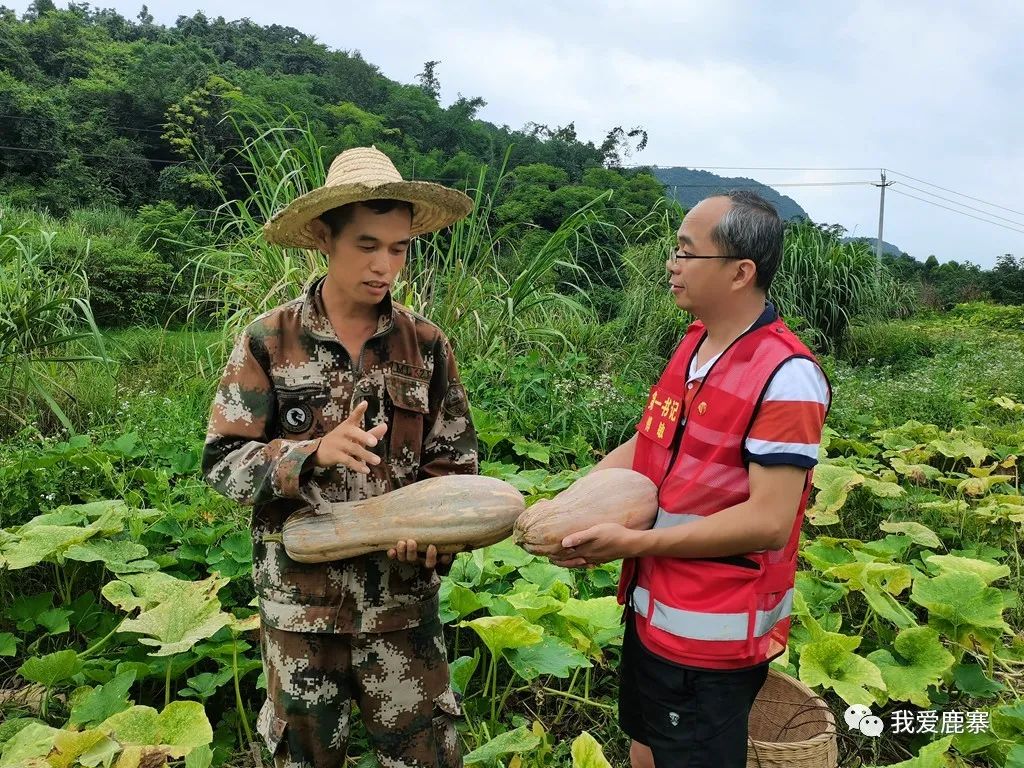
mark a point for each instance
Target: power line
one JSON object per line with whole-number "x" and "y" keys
{"x": 962, "y": 205}
{"x": 816, "y": 168}
{"x": 953, "y": 191}
{"x": 774, "y": 184}
{"x": 88, "y": 154}
{"x": 746, "y": 167}
{"x": 955, "y": 210}
{"x": 120, "y": 127}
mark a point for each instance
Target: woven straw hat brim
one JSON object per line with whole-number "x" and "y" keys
{"x": 434, "y": 207}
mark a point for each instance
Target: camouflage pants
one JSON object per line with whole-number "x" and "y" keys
{"x": 398, "y": 679}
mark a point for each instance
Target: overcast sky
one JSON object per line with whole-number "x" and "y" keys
{"x": 930, "y": 89}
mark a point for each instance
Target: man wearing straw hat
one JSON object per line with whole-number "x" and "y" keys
{"x": 343, "y": 394}
{"x": 729, "y": 435}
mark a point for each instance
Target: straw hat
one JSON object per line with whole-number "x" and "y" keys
{"x": 366, "y": 173}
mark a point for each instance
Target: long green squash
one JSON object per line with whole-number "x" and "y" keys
{"x": 607, "y": 496}
{"x": 454, "y": 513}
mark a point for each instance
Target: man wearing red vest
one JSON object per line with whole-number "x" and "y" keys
{"x": 729, "y": 434}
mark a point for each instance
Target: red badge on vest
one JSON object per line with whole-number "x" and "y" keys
{"x": 661, "y": 416}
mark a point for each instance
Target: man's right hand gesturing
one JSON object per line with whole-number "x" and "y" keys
{"x": 346, "y": 444}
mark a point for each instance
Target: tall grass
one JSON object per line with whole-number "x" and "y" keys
{"x": 46, "y": 324}
{"x": 241, "y": 275}
{"x": 827, "y": 283}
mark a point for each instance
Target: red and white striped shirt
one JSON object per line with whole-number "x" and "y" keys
{"x": 787, "y": 426}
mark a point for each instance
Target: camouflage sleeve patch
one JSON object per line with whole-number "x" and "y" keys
{"x": 240, "y": 460}
{"x": 450, "y": 444}
{"x": 455, "y": 402}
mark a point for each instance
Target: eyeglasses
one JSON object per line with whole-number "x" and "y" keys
{"x": 675, "y": 255}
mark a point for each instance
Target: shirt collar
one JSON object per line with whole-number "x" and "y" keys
{"x": 317, "y": 324}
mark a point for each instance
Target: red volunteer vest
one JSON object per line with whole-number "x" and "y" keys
{"x": 719, "y": 613}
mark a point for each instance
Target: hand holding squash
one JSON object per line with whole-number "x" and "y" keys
{"x": 620, "y": 496}
{"x": 408, "y": 552}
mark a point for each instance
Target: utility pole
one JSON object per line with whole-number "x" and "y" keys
{"x": 881, "y": 219}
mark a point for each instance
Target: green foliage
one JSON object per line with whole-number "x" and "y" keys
{"x": 903, "y": 599}
{"x": 897, "y": 345}
{"x": 554, "y": 292}
{"x": 828, "y": 282}
{"x": 988, "y": 316}
{"x": 128, "y": 285}
{"x": 45, "y": 321}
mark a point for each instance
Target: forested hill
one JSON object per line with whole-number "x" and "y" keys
{"x": 689, "y": 186}
{"x": 97, "y": 108}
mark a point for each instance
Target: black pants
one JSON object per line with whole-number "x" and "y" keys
{"x": 690, "y": 718}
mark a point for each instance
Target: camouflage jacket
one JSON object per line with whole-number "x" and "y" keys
{"x": 288, "y": 382}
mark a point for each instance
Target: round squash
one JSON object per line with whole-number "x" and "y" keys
{"x": 454, "y": 513}
{"x": 612, "y": 495}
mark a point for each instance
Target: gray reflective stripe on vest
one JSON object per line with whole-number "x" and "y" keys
{"x": 668, "y": 520}
{"x": 694, "y": 625}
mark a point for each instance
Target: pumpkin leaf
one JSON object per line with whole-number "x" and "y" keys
{"x": 70, "y": 746}
{"x": 28, "y": 746}
{"x": 178, "y": 624}
{"x": 834, "y": 483}
{"x": 501, "y": 632}
{"x": 988, "y": 572}
{"x": 528, "y": 481}
{"x": 200, "y": 757}
{"x": 932, "y": 755}
{"x": 971, "y": 679}
{"x": 181, "y": 727}
{"x": 830, "y": 662}
{"x": 509, "y": 743}
{"x": 825, "y": 552}
{"x": 891, "y": 549}
{"x": 184, "y": 724}
{"x": 117, "y": 556}
{"x": 960, "y": 448}
{"x": 545, "y": 574}
{"x": 532, "y": 606}
{"x": 888, "y": 607}
{"x": 8, "y": 644}
{"x": 144, "y": 590}
{"x": 104, "y": 701}
{"x": 1015, "y": 757}
{"x": 462, "y": 669}
{"x": 595, "y": 613}
{"x": 811, "y": 589}
{"x": 55, "y": 620}
{"x": 979, "y": 486}
{"x": 884, "y": 489}
{"x": 508, "y": 552}
{"x": 920, "y": 534}
{"x": 893, "y": 578}
{"x": 915, "y": 473}
{"x": 962, "y": 607}
{"x": 457, "y": 601}
{"x": 922, "y": 662}
{"x": 10, "y": 728}
{"x": 587, "y": 753}
{"x": 551, "y": 656}
{"x": 205, "y": 684}
{"x": 52, "y": 668}
{"x": 43, "y": 542}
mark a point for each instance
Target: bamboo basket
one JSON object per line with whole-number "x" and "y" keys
{"x": 790, "y": 727}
